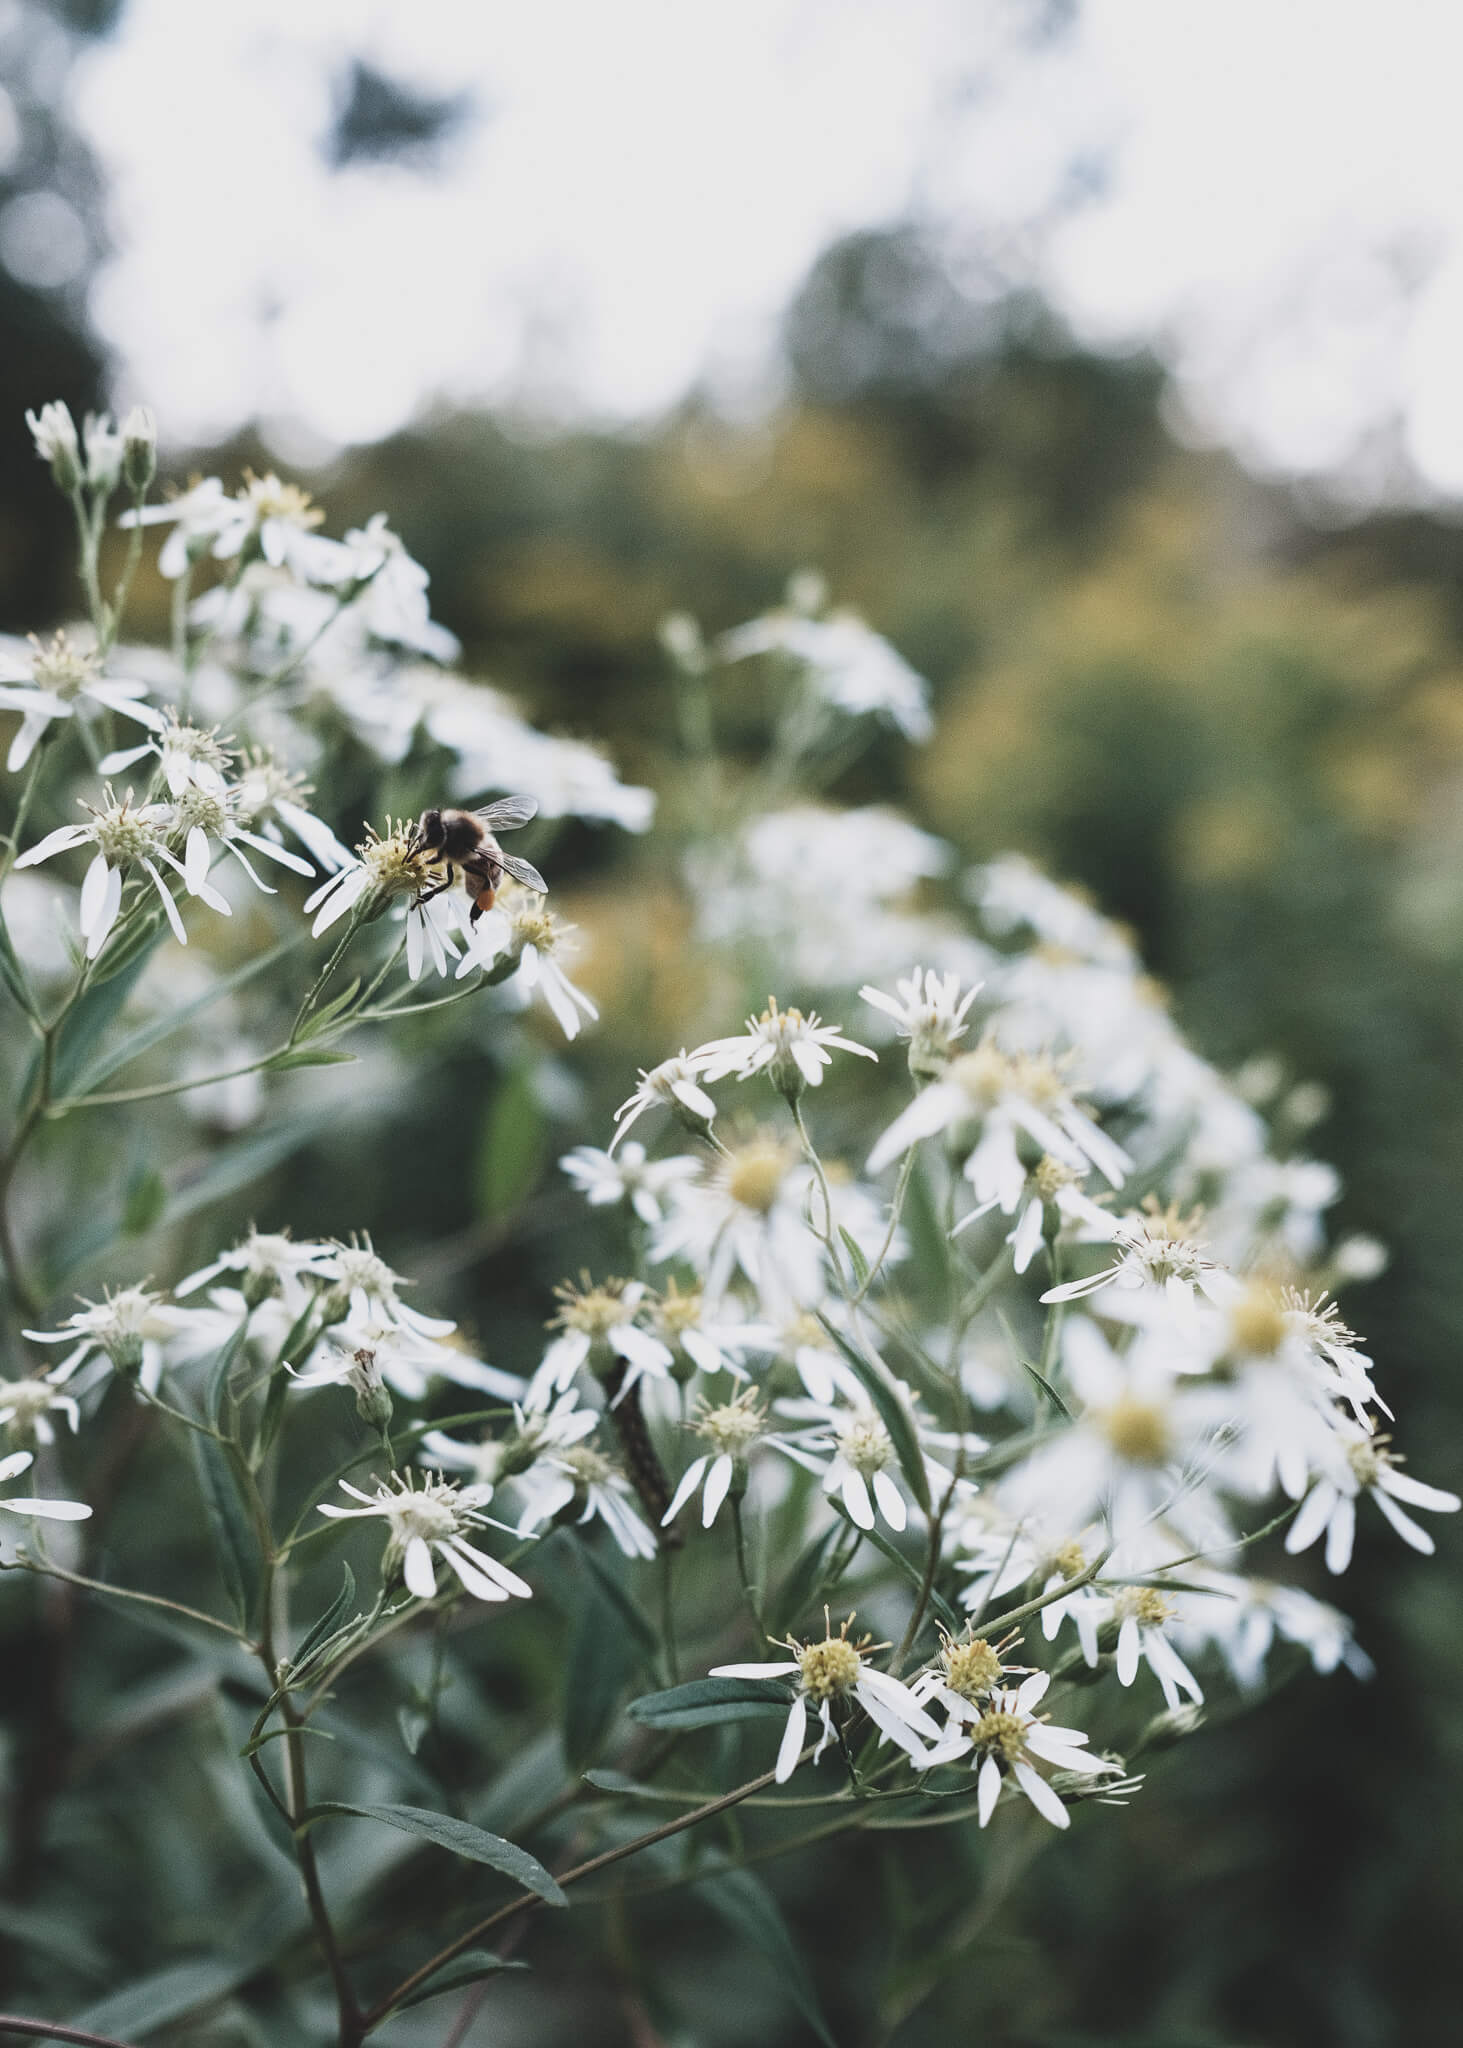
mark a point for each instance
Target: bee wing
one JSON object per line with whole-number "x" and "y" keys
{"x": 507, "y": 812}
{"x": 522, "y": 871}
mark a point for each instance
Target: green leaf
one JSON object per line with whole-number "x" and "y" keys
{"x": 257, "y": 1742}
{"x": 168, "y": 1994}
{"x": 325, "y": 1625}
{"x": 856, "y": 1258}
{"x": 143, "y": 1201}
{"x": 512, "y": 1146}
{"x": 597, "y": 1667}
{"x": 135, "y": 1043}
{"x": 635, "y": 1622}
{"x": 893, "y": 1412}
{"x": 476, "y": 1844}
{"x": 90, "y": 1018}
{"x": 750, "y": 1910}
{"x": 234, "y": 1541}
{"x": 307, "y": 1056}
{"x": 706, "y": 1701}
{"x": 469, "y": 1968}
{"x": 907, "y": 1565}
{"x": 218, "y": 1379}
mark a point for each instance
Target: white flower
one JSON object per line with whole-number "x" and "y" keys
{"x": 190, "y": 756}
{"x": 730, "y": 1429}
{"x": 603, "y": 1179}
{"x": 370, "y": 1288}
{"x": 130, "y": 1326}
{"x": 123, "y": 838}
{"x": 860, "y": 1469}
{"x": 1007, "y": 1740}
{"x": 268, "y": 1263}
{"x": 54, "y": 432}
{"x": 560, "y": 1480}
{"x": 987, "y": 1102}
{"x": 1050, "y": 1186}
{"x": 704, "y": 1339}
{"x": 197, "y": 517}
{"x": 673, "y": 1085}
{"x": 16, "y": 1462}
{"x": 268, "y": 795}
{"x": 599, "y": 1328}
{"x": 520, "y": 928}
{"x": 1362, "y": 1464}
{"x": 431, "y": 1516}
{"x": 834, "y": 1672}
{"x": 536, "y": 1436}
{"x": 747, "y": 1215}
{"x": 1142, "y": 1612}
{"x": 405, "y": 1359}
{"x": 27, "y": 1405}
{"x": 848, "y": 665}
{"x": 791, "y": 1049}
{"x": 393, "y": 605}
{"x": 58, "y": 678}
{"x": 930, "y": 1012}
{"x": 1158, "y": 1250}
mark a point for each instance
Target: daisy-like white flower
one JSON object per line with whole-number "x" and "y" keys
{"x": 11, "y": 1466}
{"x": 1158, "y": 1250}
{"x": 730, "y": 1429}
{"x": 268, "y": 795}
{"x": 267, "y": 1264}
{"x": 197, "y": 517}
{"x": 599, "y": 1328}
{"x": 988, "y": 1101}
{"x": 130, "y": 1328}
{"x": 700, "y": 1337}
{"x": 123, "y": 838}
{"x": 849, "y": 667}
{"x": 365, "y": 1287}
{"x": 971, "y": 1669}
{"x": 1142, "y": 1613}
{"x": 273, "y": 520}
{"x": 431, "y": 1516}
{"x": 189, "y": 757}
{"x": 519, "y": 928}
{"x": 1052, "y": 1190}
{"x": 791, "y": 1049}
{"x": 1362, "y": 1464}
{"x": 748, "y": 1215}
{"x": 1130, "y": 1454}
{"x": 60, "y": 681}
{"x": 382, "y": 866}
{"x": 27, "y": 1405}
{"x": 392, "y": 605}
{"x": 853, "y": 1454}
{"x": 1007, "y": 1740}
{"x": 604, "y": 1180}
{"x": 930, "y": 1012}
{"x": 536, "y": 1434}
{"x": 582, "y": 1476}
{"x": 833, "y": 1673}
{"x": 406, "y": 1360}
{"x": 673, "y": 1085}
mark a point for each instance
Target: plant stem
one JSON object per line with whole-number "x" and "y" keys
{"x": 565, "y": 1878}
{"x": 46, "y": 1569}
{"x": 53, "y": 2030}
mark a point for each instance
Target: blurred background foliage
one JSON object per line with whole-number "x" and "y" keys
{"x": 1238, "y": 720}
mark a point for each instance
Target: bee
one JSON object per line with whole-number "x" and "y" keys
{"x": 464, "y": 839}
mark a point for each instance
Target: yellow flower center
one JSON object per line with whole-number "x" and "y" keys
{"x": 829, "y": 1669}
{"x": 756, "y": 1172}
{"x": 999, "y": 1734}
{"x": 971, "y": 1668}
{"x": 1137, "y": 1431}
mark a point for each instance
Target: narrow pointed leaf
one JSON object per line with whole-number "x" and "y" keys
{"x": 476, "y": 1844}
{"x": 706, "y": 1701}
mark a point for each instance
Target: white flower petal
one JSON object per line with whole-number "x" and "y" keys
{"x": 718, "y": 1483}
{"x": 417, "y": 1570}
{"x": 791, "y": 1746}
{"x": 1041, "y": 1796}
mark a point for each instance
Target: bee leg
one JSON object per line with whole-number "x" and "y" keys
{"x": 429, "y": 895}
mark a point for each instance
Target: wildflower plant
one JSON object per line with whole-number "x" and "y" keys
{"x": 982, "y": 1335}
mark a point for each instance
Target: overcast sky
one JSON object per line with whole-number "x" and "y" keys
{"x": 1278, "y": 204}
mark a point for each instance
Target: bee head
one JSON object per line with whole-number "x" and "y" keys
{"x": 431, "y": 834}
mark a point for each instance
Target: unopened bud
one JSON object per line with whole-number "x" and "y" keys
{"x": 54, "y": 433}
{"x": 680, "y": 636}
{"x": 125, "y": 1352}
{"x": 103, "y": 452}
{"x": 1166, "y": 1729}
{"x": 139, "y": 450}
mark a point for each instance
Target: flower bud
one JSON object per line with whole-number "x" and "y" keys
{"x": 54, "y": 433}
{"x": 124, "y": 1348}
{"x": 103, "y": 452}
{"x": 139, "y": 450}
{"x": 1166, "y": 1729}
{"x": 680, "y": 636}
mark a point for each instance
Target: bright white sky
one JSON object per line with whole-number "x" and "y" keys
{"x": 1280, "y": 209}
